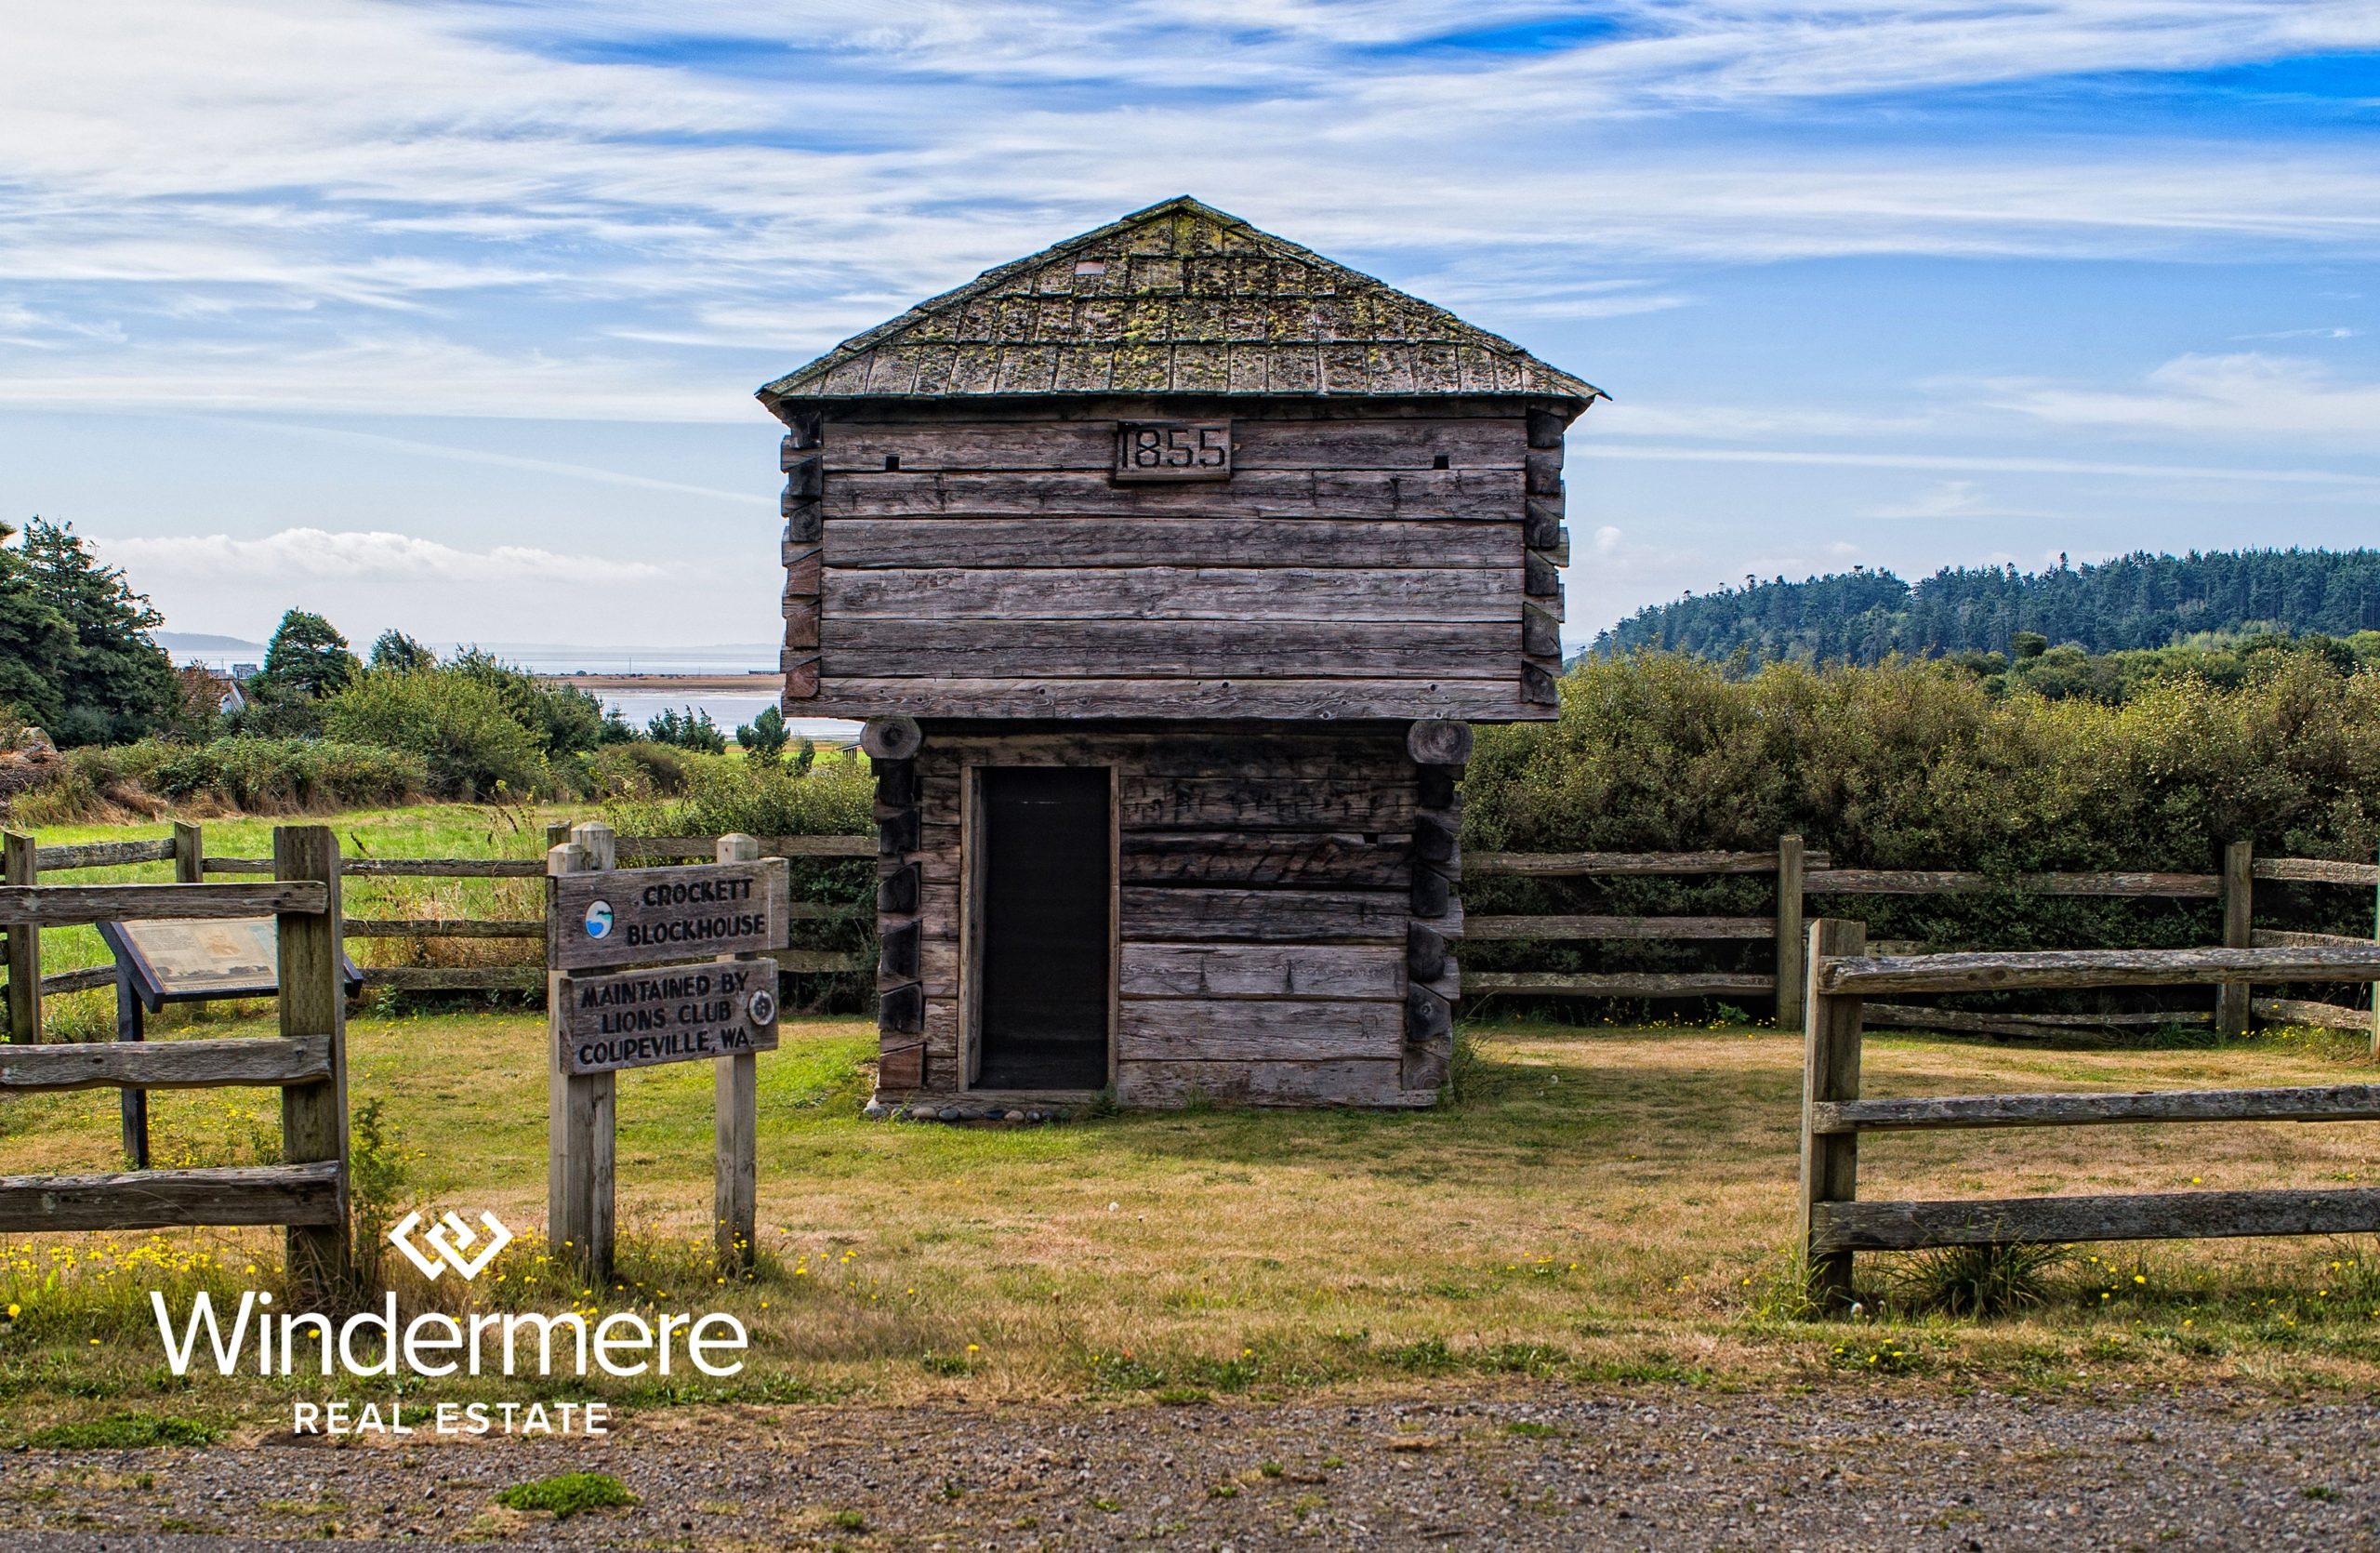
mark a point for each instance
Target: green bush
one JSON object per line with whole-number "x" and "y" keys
{"x": 462, "y": 725}
{"x": 1921, "y": 766}
{"x": 258, "y": 776}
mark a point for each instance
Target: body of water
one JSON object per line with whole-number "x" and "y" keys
{"x": 727, "y": 710}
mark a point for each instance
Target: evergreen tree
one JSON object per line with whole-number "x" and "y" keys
{"x": 307, "y": 660}
{"x": 35, "y": 641}
{"x": 305, "y": 664}
{"x": 115, "y": 684}
{"x": 393, "y": 649}
{"x": 764, "y": 739}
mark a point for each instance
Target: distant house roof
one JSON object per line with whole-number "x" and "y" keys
{"x": 1176, "y": 298}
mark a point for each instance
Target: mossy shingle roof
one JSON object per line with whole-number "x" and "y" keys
{"x": 1176, "y": 298}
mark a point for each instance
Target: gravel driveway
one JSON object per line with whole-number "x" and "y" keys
{"x": 1532, "y": 1468}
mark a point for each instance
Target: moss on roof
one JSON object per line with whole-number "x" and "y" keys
{"x": 1176, "y": 298}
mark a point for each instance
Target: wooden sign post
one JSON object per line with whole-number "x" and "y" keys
{"x": 601, "y": 1020}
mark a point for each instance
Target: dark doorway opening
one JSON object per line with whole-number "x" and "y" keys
{"x": 1046, "y": 865}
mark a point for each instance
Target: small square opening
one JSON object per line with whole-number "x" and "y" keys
{"x": 891, "y": 460}
{"x": 1442, "y": 461}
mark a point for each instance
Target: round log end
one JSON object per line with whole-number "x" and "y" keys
{"x": 1438, "y": 742}
{"x": 892, "y": 738}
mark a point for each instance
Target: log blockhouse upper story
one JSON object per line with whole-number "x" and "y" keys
{"x": 1174, "y": 468}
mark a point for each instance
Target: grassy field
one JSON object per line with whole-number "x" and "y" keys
{"x": 1610, "y": 1206}
{"x": 415, "y": 830}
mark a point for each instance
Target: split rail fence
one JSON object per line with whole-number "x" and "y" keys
{"x": 308, "y": 1193}
{"x": 1800, "y": 874}
{"x": 1841, "y": 976}
{"x": 23, "y": 863}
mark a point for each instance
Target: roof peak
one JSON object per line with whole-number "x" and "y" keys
{"x": 1175, "y": 298}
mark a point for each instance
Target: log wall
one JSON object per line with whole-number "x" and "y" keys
{"x": 1270, "y": 886}
{"x": 1375, "y": 561}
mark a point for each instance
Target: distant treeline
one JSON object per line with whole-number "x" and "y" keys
{"x": 2139, "y": 600}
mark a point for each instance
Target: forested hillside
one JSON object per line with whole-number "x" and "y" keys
{"x": 2138, "y": 600}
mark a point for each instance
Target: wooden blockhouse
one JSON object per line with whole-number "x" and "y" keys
{"x": 1168, "y": 567}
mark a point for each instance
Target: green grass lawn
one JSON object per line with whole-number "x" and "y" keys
{"x": 1609, "y": 1206}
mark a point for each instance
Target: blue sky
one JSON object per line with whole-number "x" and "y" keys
{"x": 448, "y": 316}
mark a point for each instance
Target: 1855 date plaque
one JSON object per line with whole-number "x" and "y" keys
{"x": 1173, "y": 450}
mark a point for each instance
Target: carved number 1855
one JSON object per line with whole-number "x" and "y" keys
{"x": 1180, "y": 447}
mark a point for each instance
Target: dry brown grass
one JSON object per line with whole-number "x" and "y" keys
{"x": 1606, "y": 1205}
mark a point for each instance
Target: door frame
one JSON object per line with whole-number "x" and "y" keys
{"x": 973, "y": 860}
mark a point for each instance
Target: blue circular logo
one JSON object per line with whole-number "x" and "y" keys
{"x": 599, "y": 920}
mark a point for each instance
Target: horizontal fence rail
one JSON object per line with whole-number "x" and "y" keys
{"x": 307, "y": 1194}
{"x": 1836, "y": 1224}
{"x": 82, "y": 905}
{"x": 297, "y": 1195}
{"x": 2038, "y": 969}
{"x": 1800, "y": 874}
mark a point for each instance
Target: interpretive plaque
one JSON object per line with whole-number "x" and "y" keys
{"x": 674, "y": 1014}
{"x": 195, "y": 960}
{"x": 640, "y": 916}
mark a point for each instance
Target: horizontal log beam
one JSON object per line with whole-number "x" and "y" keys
{"x": 2313, "y": 1103}
{"x": 1620, "y": 927}
{"x": 102, "y": 855}
{"x": 2297, "y": 1011}
{"x": 1912, "y": 1017}
{"x": 2057, "y": 1220}
{"x": 1932, "y": 882}
{"x": 442, "y": 927}
{"x": 1619, "y": 984}
{"x": 403, "y": 868}
{"x": 84, "y": 980}
{"x": 704, "y": 847}
{"x": 2275, "y": 938}
{"x": 1571, "y": 864}
{"x": 165, "y": 1199}
{"x": 2308, "y": 870}
{"x": 80, "y": 905}
{"x": 455, "y": 978}
{"x": 165, "y": 1063}
{"x": 2067, "y": 968}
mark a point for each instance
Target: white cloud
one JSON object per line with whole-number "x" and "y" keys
{"x": 2248, "y": 395}
{"x": 305, "y": 555}
{"x": 2001, "y": 463}
{"x": 1952, "y": 500}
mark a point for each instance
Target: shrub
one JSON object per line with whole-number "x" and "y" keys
{"x": 462, "y": 726}
{"x": 637, "y": 770}
{"x": 1920, "y": 766}
{"x": 690, "y": 729}
{"x": 259, "y": 775}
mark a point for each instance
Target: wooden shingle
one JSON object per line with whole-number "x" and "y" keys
{"x": 1177, "y": 298}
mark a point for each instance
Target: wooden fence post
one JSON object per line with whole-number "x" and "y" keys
{"x": 17, "y": 867}
{"x": 2375, "y": 987}
{"x": 2233, "y": 1000}
{"x": 1830, "y": 1072}
{"x": 1789, "y": 932}
{"x": 314, "y": 1003}
{"x": 736, "y": 1102}
{"x": 190, "y": 867}
{"x": 580, "y": 1108}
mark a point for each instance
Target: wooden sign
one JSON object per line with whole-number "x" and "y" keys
{"x": 679, "y": 1013}
{"x": 640, "y": 916}
{"x": 1173, "y": 450}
